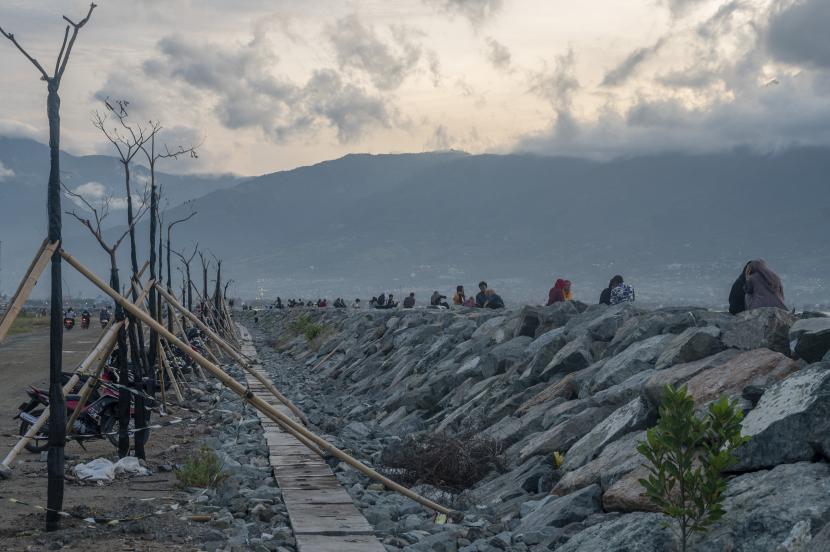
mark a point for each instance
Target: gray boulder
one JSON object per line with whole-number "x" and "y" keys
{"x": 790, "y": 423}
{"x": 637, "y": 358}
{"x": 606, "y": 325}
{"x": 678, "y": 375}
{"x": 561, "y": 436}
{"x": 767, "y": 327}
{"x": 542, "y": 350}
{"x": 618, "y": 459}
{"x": 637, "y": 414}
{"x": 763, "y": 508}
{"x": 559, "y": 511}
{"x": 693, "y": 344}
{"x": 501, "y": 357}
{"x": 570, "y": 358}
{"x": 637, "y": 532}
{"x": 811, "y": 337}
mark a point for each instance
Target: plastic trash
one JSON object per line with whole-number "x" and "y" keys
{"x": 99, "y": 469}
{"x": 129, "y": 465}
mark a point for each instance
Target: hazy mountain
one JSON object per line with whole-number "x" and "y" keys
{"x": 679, "y": 227}
{"x": 24, "y": 173}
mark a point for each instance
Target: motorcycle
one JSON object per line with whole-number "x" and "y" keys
{"x": 85, "y": 322}
{"x": 68, "y": 322}
{"x": 105, "y": 319}
{"x": 98, "y": 417}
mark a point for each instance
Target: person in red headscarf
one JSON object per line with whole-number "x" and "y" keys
{"x": 557, "y": 292}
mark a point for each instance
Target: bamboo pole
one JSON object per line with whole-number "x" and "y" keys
{"x": 283, "y": 420}
{"x": 242, "y": 361}
{"x": 178, "y": 327}
{"x": 172, "y": 378}
{"x": 28, "y": 282}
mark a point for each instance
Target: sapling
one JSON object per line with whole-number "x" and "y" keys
{"x": 687, "y": 456}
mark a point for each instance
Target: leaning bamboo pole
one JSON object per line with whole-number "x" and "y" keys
{"x": 178, "y": 327}
{"x": 245, "y": 394}
{"x": 28, "y": 282}
{"x": 242, "y": 361}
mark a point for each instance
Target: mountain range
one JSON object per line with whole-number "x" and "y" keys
{"x": 679, "y": 227}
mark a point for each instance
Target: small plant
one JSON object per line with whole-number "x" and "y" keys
{"x": 687, "y": 456}
{"x": 304, "y": 325}
{"x": 201, "y": 470}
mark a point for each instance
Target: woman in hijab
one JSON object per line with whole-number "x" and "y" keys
{"x": 763, "y": 287}
{"x": 566, "y": 291}
{"x": 557, "y": 292}
{"x": 737, "y": 296}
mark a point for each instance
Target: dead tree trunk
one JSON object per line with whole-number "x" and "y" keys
{"x": 57, "y": 427}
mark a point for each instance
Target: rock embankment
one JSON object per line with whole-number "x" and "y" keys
{"x": 581, "y": 381}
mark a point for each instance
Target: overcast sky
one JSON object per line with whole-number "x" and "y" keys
{"x": 273, "y": 84}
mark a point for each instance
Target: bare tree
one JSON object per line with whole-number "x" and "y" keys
{"x": 57, "y": 427}
{"x": 186, "y": 262}
{"x": 169, "y": 277}
{"x": 205, "y": 265}
{"x": 95, "y": 226}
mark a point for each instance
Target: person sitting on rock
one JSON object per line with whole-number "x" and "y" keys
{"x": 763, "y": 287}
{"x": 381, "y": 300}
{"x": 622, "y": 293}
{"x": 605, "y": 296}
{"x": 493, "y": 301}
{"x": 557, "y": 292}
{"x": 481, "y": 296}
{"x": 373, "y": 302}
{"x": 390, "y": 303}
{"x": 409, "y": 302}
{"x": 459, "y": 297}
{"x": 737, "y": 295}
{"x": 356, "y": 304}
{"x": 470, "y": 301}
{"x": 437, "y": 300}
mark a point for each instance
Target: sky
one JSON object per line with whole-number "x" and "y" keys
{"x": 266, "y": 85}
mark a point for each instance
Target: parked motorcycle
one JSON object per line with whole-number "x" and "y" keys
{"x": 98, "y": 417}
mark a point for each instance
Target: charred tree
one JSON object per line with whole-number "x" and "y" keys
{"x": 57, "y": 427}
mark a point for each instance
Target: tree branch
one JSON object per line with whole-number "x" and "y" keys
{"x": 40, "y": 68}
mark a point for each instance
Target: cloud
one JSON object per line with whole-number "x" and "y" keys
{"x": 440, "y": 140}
{"x": 96, "y": 194}
{"x": 240, "y": 81}
{"x": 556, "y": 85}
{"x": 799, "y": 34}
{"x": 721, "y": 21}
{"x": 358, "y": 46}
{"x": 434, "y": 63}
{"x": 476, "y": 11}
{"x": 629, "y": 65}
{"x": 5, "y": 173}
{"x": 681, "y": 7}
{"x": 498, "y": 54}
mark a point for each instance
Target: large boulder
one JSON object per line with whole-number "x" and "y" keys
{"x": 606, "y": 325}
{"x": 759, "y": 368}
{"x": 559, "y": 511}
{"x": 763, "y": 508}
{"x": 790, "y": 423}
{"x": 681, "y": 373}
{"x": 491, "y": 330}
{"x": 542, "y": 350}
{"x": 627, "y": 494}
{"x": 766, "y": 327}
{"x": 574, "y": 356}
{"x": 637, "y": 414}
{"x": 561, "y": 436}
{"x": 503, "y": 356}
{"x": 637, "y": 358}
{"x": 637, "y": 532}
{"x": 693, "y": 344}
{"x": 811, "y": 337}
{"x": 618, "y": 459}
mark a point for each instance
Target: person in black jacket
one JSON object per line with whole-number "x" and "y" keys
{"x": 737, "y": 295}
{"x": 605, "y": 296}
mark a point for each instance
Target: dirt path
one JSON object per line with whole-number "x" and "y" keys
{"x": 23, "y": 362}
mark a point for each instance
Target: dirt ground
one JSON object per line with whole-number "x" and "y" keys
{"x": 24, "y": 361}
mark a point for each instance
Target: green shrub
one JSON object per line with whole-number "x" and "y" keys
{"x": 687, "y": 456}
{"x": 202, "y": 470}
{"x": 304, "y": 325}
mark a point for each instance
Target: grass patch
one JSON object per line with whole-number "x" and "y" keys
{"x": 27, "y": 323}
{"x": 304, "y": 325}
{"x": 201, "y": 470}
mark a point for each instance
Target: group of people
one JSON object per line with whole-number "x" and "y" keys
{"x": 757, "y": 286}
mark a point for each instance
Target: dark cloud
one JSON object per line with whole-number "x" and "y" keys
{"x": 720, "y": 22}
{"x": 246, "y": 94}
{"x": 556, "y": 85}
{"x": 498, "y": 54}
{"x": 800, "y": 34}
{"x": 681, "y": 7}
{"x": 691, "y": 77}
{"x": 476, "y": 11}
{"x": 629, "y": 65}
{"x": 358, "y": 46}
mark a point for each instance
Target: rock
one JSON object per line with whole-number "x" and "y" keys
{"x": 563, "y": 435}
{"x": 762, "y": 508}
{"x": 693, "y": 344}
{"x": 637, "y": 414}
{"x": 572, "y": 357}
{"x": 488, "y": 330}
{"x": 821, "y": 540}
{"x": 678, "y": 375}
{"x": 637, "y": 358}
{"x": 616, "y": 461}
{"x": 637, "y": 532}
{"x": 606, "y": 325}
{"x": 501, "y": 357}
{"x": 760, "y": 328}
{"x": 760, "y": 367}
{"x": 542, "y": 350}
{"x": 626, "y": 495}
{"x": 811, "y": 337}
{"x": 356, "y": 431}
{"x": 790, "y": 423}
{"x": 566, "y": 389}
{"x": 559, "y": 511}
{"x": 530, "y": 320}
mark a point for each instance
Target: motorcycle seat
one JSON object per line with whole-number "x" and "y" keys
{"x": 72, "y": 397}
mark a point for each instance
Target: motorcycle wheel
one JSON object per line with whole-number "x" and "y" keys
{"x": 109, "y": 426}
{"x": 34, "y": 445}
